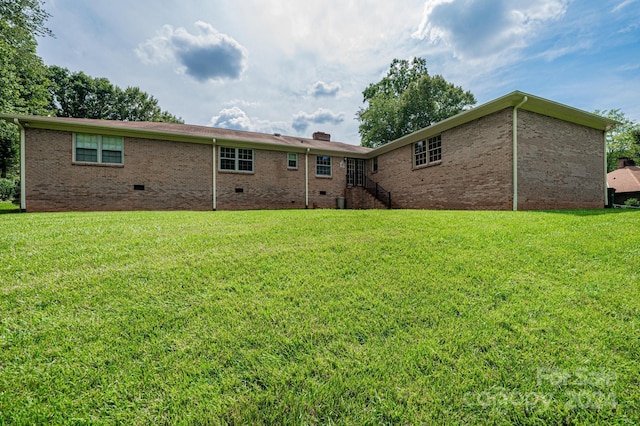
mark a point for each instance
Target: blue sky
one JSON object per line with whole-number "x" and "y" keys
{"x": 296, "y": 67}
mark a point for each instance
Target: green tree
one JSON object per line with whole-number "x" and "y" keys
{"x": 9, "y": 90}
{"x": 22, "y": 17}
{"x": 78, "y": 95}
{"x": 27, "y": 86}
{"x": 81, "y": 96}
{"x": 22, "y": 72}
{"x": 623, "y": 140}
{"x": 407, "y": 99}
{"x": 132, "y": 104}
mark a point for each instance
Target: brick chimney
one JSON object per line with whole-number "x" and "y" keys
{"x": 625, "y": 162}
{"x": 322, "y": 136}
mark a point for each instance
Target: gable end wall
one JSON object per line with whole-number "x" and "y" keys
{"x": 560, "y": 164}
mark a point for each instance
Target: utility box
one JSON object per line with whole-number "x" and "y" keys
{"x": 611, "y": 193}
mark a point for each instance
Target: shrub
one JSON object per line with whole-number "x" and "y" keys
{"x": 632, "y": 202}
{"x": 16, "y": 193}
{"x": 7, "y": 188}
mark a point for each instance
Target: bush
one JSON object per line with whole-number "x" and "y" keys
{"x": 632, "y": 202}
{"x": 16, "y": 193}
{"x": 7, "y": 188}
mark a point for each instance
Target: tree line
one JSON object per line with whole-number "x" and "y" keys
{"x": 408, "y": 99}
{"x": 28, "y": 86}
{"x": 623, "y": 141}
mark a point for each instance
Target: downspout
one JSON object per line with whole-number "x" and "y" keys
{"x": 515, "y": 153}
{"x": 23, "y": 184}
{"x": 306, "y": 179}
{"x": 606, "y": 183}
{"x": 213, "y": 159}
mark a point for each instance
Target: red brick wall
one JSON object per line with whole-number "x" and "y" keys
{"x": 334, "y": 186}
{"x": 475, "y": 172}
{"x": 175, "y": 175}
{"x": 560, "y": 164}
{"x": 270, "y": 186}
{"x": 273, "y": 186}
{"x": 358, "y": 198}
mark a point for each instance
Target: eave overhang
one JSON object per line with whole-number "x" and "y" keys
{"x": 534, "y": 104}
{"x": 205, "y": 135}
{"x": 236, "y": 140}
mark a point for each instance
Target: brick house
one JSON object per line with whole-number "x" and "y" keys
{"x": 516, "y": 152}
{"x": 626, "y": 181}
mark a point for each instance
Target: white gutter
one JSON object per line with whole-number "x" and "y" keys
{"x": 23, "y": 184}
{"x": 515, "y": 153}
{"x": 213, "y": 159}
{"x": 306, "y": 179}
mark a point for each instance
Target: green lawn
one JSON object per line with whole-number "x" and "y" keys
{"x": 8, "y": 207}
{"x": 320, "y": 317}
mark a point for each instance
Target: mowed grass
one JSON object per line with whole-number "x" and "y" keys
{"x": 8, "y": 207}
{"x": 320, "y": 317}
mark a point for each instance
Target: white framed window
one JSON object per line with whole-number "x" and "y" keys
{"x": 419, "y": 153}
{"x": 98, "y": 149}
{"x": 435, "y": 149}
{"x": 236, "y": 159}
{"x": 323, "y": 165}
{"x": 292, "y": 160}
{"x": 427, "y": 152}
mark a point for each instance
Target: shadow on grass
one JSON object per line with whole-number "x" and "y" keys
{"x": 8, "y": 207}
{"x": 595, "y": 212}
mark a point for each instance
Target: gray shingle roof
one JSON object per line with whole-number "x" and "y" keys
{"x": 184, "y": 132}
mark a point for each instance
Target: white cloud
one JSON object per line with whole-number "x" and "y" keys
{"x": 302, "y": 120}
{"x": 555, "y": 53}
{"x": 622, "y": 5}
{"x": 485, "y": 28}
{"x": 302, "y": 49}
{"x": 334, "y": 31}
{"x": 241, "y": 102}
{"x": 232, "y": 118}
{"x": 628, "y": 67}
{"x": 320, "y": 88}
{"x": 629, "y": 28}
{"x": 207, "y": 56}
{"x": 236, "y": 119}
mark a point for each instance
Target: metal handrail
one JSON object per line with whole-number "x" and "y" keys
{"x": 375, "y": 189}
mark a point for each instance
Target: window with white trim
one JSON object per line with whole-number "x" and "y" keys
{"x": 98, "y": 149}
{"x": 292, "y": 160}
{"x": 435, "y": 149}
{"x": 427, "y": 152}
{"x": 323, "y": 165}
{"x": 236, "y": 159}
{"x": 419, "y": 153}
